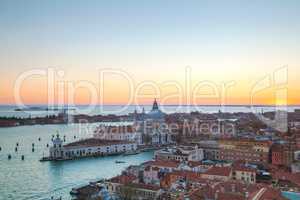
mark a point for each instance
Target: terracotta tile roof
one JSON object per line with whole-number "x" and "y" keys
{"x": 192, "y": 176}
{"x": 243, "y": 168}
{"x": 219, "y": 171}
{"x": 245, "y": 141}
{"x": 123, "y": 179}
{"x": 231, "y": 190}
{"x": 164, "y": 163}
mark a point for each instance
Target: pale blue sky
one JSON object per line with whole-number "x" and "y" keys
{"x": 211, "y": 36}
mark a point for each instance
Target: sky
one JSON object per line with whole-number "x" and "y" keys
{"x": 180, "y": 52}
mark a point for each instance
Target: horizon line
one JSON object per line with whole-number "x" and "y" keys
{"x": 66, "y": 105}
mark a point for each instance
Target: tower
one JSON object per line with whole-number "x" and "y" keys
{"x": 56, "y": 151}
{"x": 155, "y": 105}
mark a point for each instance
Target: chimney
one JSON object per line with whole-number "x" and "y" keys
{"x": 216, "y": 194}
{"x": 246, "y": 195}
{"x": 233, "y": 188}
{"x": 222, "y": 189}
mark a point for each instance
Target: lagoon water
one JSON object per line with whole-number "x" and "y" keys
{"x": 291, "y": 195}
{"x": 34, "y": 180}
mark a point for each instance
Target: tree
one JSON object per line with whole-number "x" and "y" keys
{"x": 126, "y": 192}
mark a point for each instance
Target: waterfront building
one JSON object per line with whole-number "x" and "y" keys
{"x": 8, "y": 123}
{"x": 248, "y": 150}
{"x": 89, "y": 147}
{"x": 181, "y": 153}
{"x": 148, "y": 129}
{"x": 91, "y": 192}
{"x": 153, "y": 127}
{"x": 113, "y": 184}
{"x": 163, "y": 165}
{"x": 123, "y": 133}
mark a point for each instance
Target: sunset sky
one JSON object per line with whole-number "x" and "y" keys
{"x": 152, "y": 42}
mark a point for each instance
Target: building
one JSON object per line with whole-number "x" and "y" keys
{"x": 297, "y": 155}
{"x": 127, "y": 187}
{"x": 148, "y": 129}
{"x": 200, "y": 124}
{"x": 124, "y": 133}
{"x": 163, "y": 165}
{"x": 171, "y": 179}
{"x": 89, "y": 147}
{"x": 124, "y": 179}
{"x": 8, "y": 123}
{"x": 151, "y": 175}
{"x": 233, "y": 190}
{"x": 248, "y": 150}
{"x": 195, "y": 166}
{"x": 154, "y": 133}
{"x": 155, "y": 114}
{"x": 152, "y": 127}
{"x": 244, "y": 174}
{"x": 282, "y": 154}
{"x": 210, "y": 148}
{"x": 218, "y": 173}
{"x": 181, "y": 153}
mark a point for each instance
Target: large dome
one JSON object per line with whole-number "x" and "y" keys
{"x": 156, "y": 114}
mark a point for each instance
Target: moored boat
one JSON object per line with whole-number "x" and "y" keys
{"x": 119, "y": 161}
{"x": 131, "y": 153}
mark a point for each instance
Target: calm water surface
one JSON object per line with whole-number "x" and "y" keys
{"x": 291, "y": 195}
{"x": 31, "y": 179}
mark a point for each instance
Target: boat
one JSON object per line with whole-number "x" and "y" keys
{"x": 119, "y": 161}
{"x": 131, "y": 153}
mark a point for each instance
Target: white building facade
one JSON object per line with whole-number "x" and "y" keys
{"x": 180, "y": 154}
{"x": 89, "y": 147}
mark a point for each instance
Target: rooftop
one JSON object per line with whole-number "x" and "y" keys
{"x": 94, "y": 142}
{"x": 164, "y": 163}
{"x": 219, "y": 171}
{"x": 123, "y": 179}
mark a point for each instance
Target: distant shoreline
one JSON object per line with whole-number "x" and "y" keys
{"x": 45, "y": 106}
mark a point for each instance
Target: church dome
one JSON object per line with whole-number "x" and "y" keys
{"x": 155, "y": 113}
